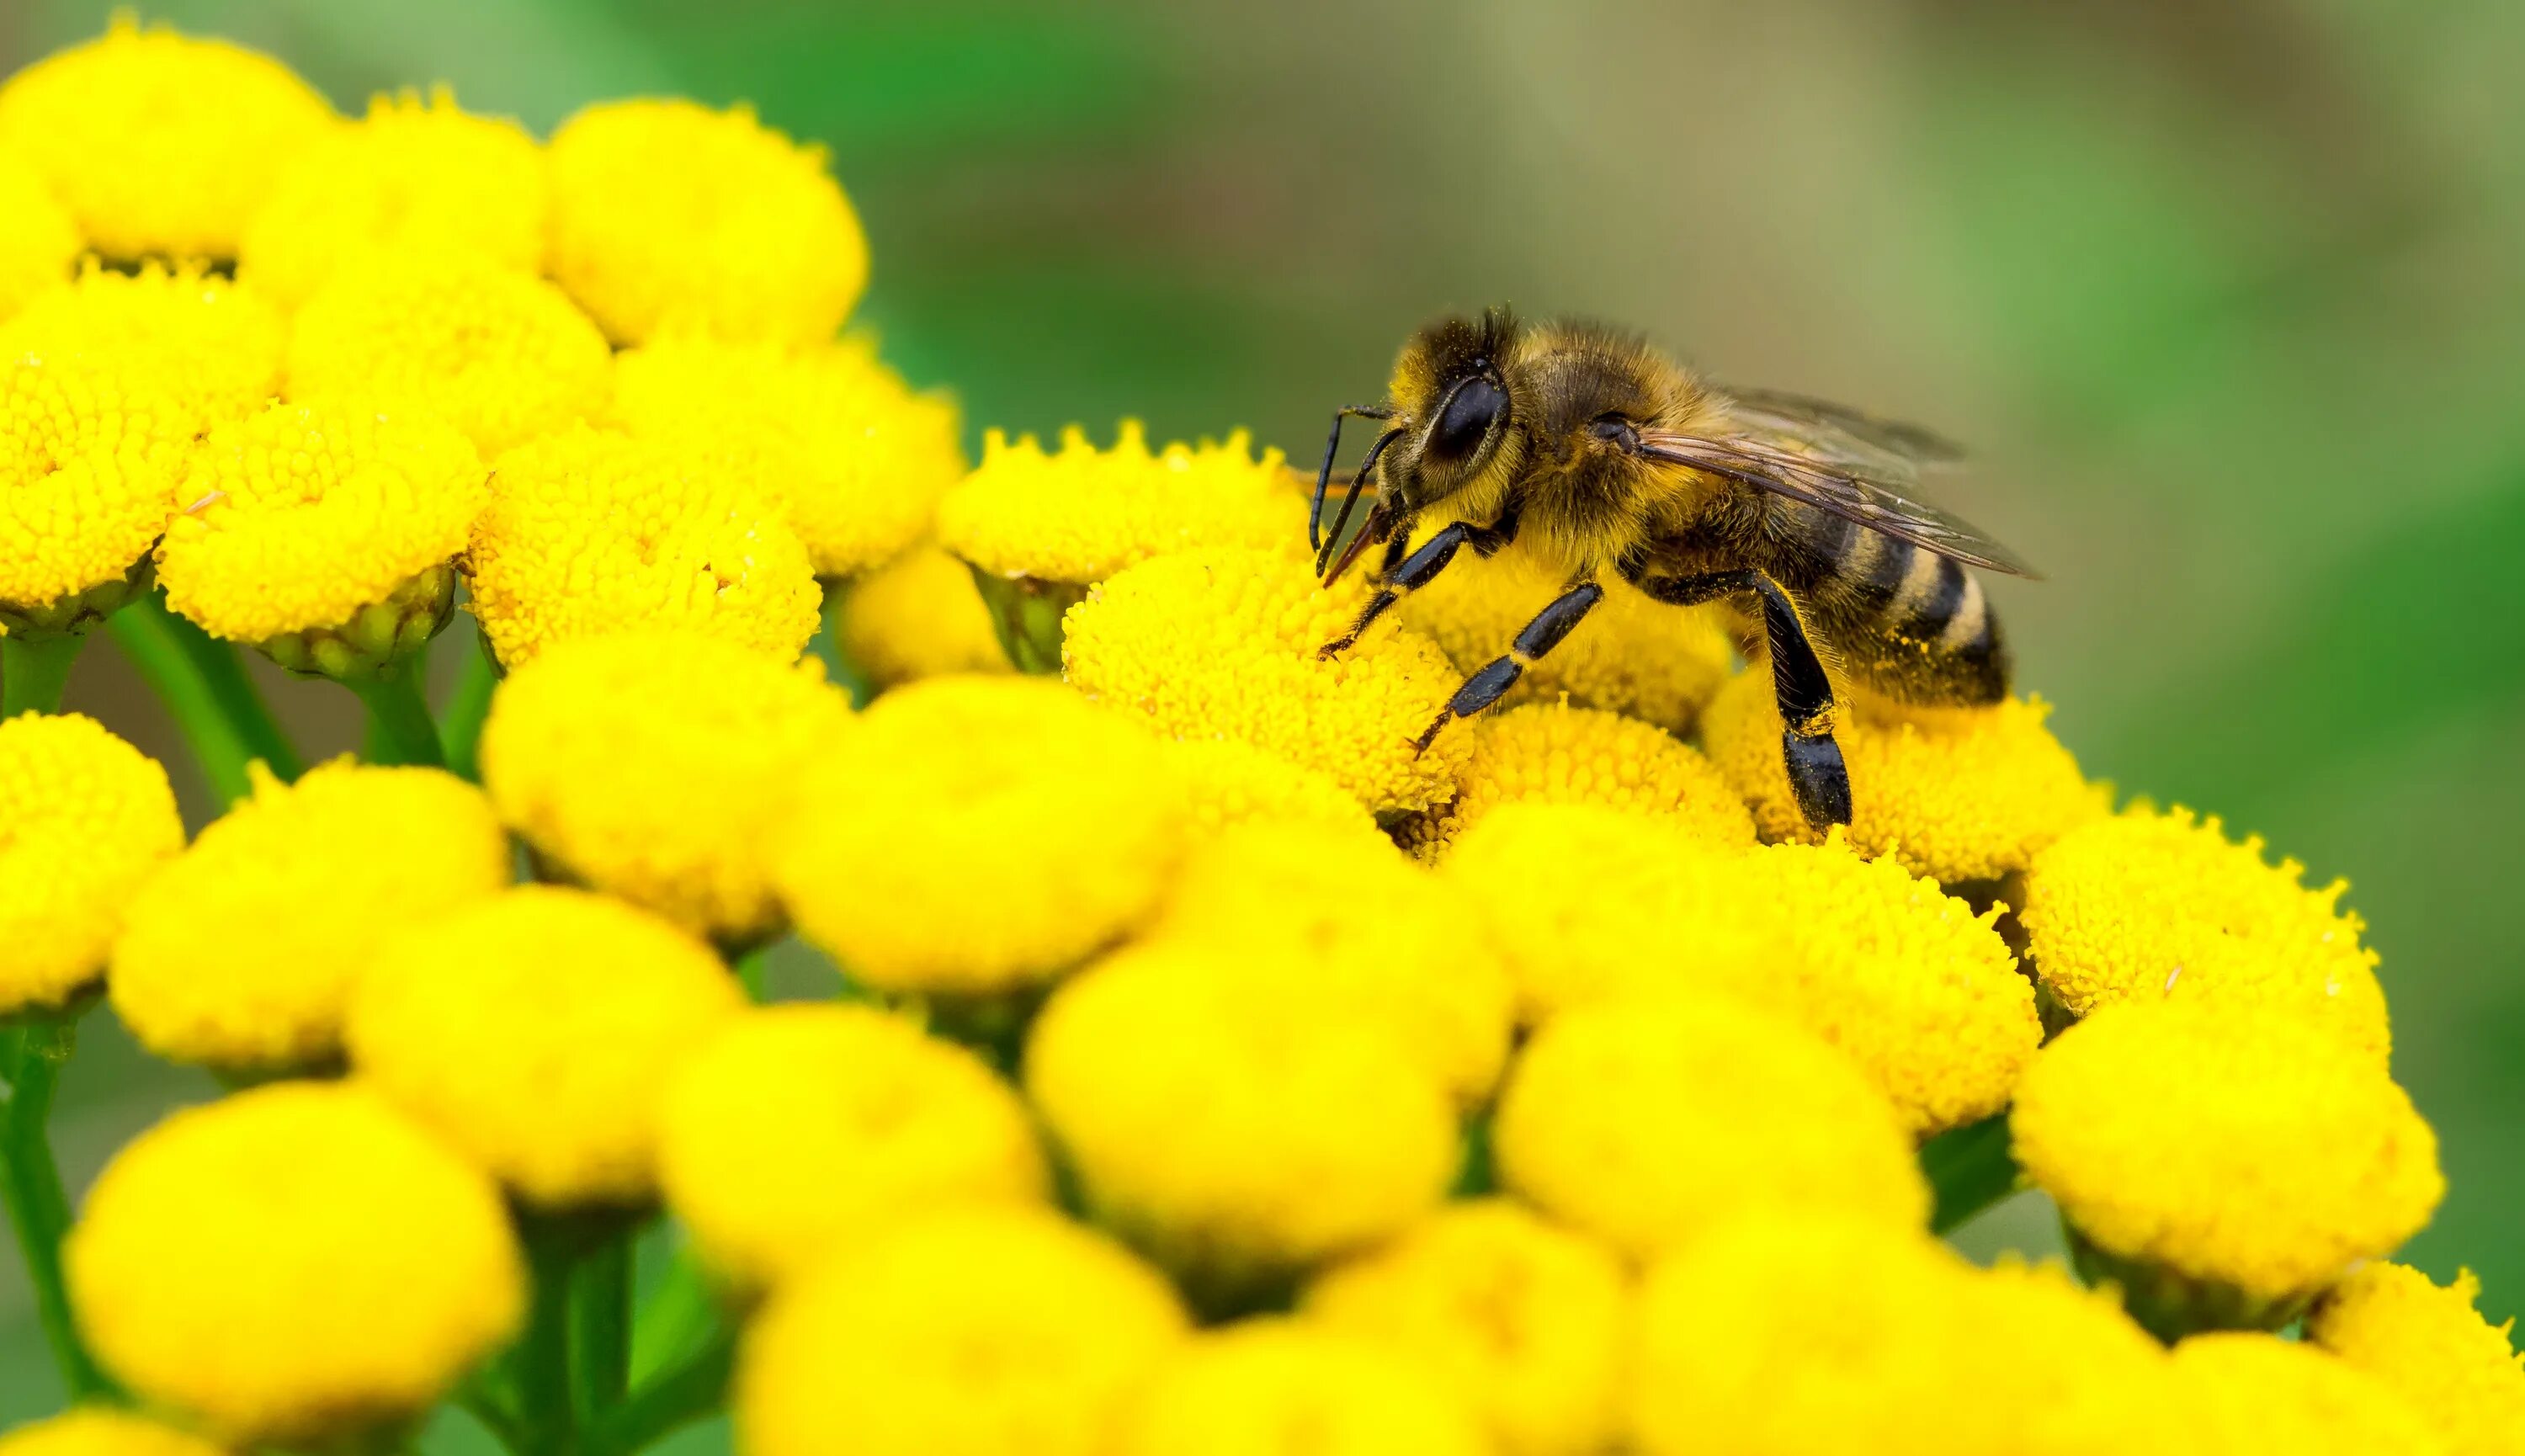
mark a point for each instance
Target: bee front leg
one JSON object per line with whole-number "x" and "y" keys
{"x": 1401, "y": 576}
{"x": 1495, "y": 678}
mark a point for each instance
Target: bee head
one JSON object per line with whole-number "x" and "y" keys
{"x": 1452, "y": 406}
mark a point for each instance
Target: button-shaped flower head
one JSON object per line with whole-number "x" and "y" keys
{"x": 41, "y": 242}
{"x": 159, "y": 143}
{"x": 209, "y": 344}
{"x": 294, "y": 1265}
{"x": 88, "y": 462}
{"x": 101, "y": 1431}
{"x": 971, "y": 1332}
{"x": 1555, "y": 752}
{"x": 918, "y": 616}
{"x": 798, "y": 1128}
{"x": 2426, "y": 1342}
{"x": 1231, "y": 782}
{"x": 85, "y": 818}
{"x": 412, "y": 177}
{"x": 2258, "y": 1392}
{"x": 1270, "y": 1386}
{"x": 652, "y": 765}
{"x": 667, "y": 215}
{"x": 2224, "y": 1169}
{"x": 533, "y": 1031}
{"x": 242, "y": 952}
{"x": 591, "y": 531}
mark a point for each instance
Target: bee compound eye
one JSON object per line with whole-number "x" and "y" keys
{"x": 1616, "y": 430}
{"x": 1467, "y": 418}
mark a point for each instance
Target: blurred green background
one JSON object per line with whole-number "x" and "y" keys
{"x": 2227, "y": 297}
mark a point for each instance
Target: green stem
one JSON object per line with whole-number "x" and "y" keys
{"x": 400, "y": 730}
{"x": 460, "y": 725}
{"x": 207, "y": 692}
{"x": 1969, "y": 1168}
{"x": 600, "y": 1308}
{"x": 753, "y": 973}
{"x": 30, "y": 1184}
{"x": 34, "y": 672}
{"x": 676, "y": 1396}
{"x": 538, "y": 1364}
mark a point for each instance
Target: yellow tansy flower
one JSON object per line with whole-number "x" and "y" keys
{"x": 797, "y": 1127}
{"x": 209, "y": 344}
{"x": 2147, "y": 905}
{"x": 2258, "y": 1392}
{"x": 972, "y": 1334}
{"x": 413, "y": 176}
{"x": 1556, "y": 752}
{"x": 85, "y": 820}
{"x": 1953, "y": 794}
{"x": 591, "y": 531}
{"x": 322, "y": 531}
{"x": 2427, "y": 1343}
{"x": 87, "y": 478}
{"x": 2228, "y": 1168}
{"x": 1223, "y": 641}
{"x": 294, "y": 1265}
{"x": 828, "y": 435}
{"x": 978, "y": 835}
{"x": 1644, "y": 1122}
{"x": 1079, "y": 515}
{"x": 918, "y": 617}
{"x": 533, "y": 1030}
{"x": 1234, "y": 1131}
{"x": 1233, "y": 782}
{"x": 100, "y": 1430}
{"x": 40, "y": 243}
{"x": 1525, "y": 1323}
{"x": 667, "y": 215}
{"x": 1633, "y": 655}
{"x": 652, "y": 764}
{"x": 498, "y": 353}
{"x": 1278, "y": 1387}
{"x": 159, "y": 142}
{"x": 242, "y": 952}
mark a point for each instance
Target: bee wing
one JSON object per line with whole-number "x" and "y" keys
{"x": 1839, "y": 432}
{"x": 1879, "y": 497}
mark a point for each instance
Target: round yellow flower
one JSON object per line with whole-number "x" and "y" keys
{"x": 918, "y": 617}
{"x": 968, "y": 1333}
{"x": 87, "y": 478}
{"x": 828, "y": 435}
{"x": 1235, "y": 1130}
{"x": 1647, "y": 1122}
{"x": 209, "y": 344}
{"x": 292, "y": 1263}
{"x": 652, "y": 764}
{"x": 498, "y": 353}
{"x": 1280, "y": 1387}
{"x": 977, "y": 836}
{"x": 1633, "y": 655}
{"x": 1233, "y": 782}
{"x": 99, "y": 1431}
{"x": 667, "y": 215}
{"x": 592, "y": 532}
{"x": 85, "y": 821}
{"x": 2262, "y": 1393}
{"x": 415, "y": 177}
{"x": 1334, "y": 916}
{"x": 532, "y": 1030}
{"x": 1953, "y": 794}
{"x": 312, "y": 521}
{"x": 1223, "y": 643}
{"x": 242, "y": 952}
{"x": 1524, "y": 1321}
{"x": 2147, "y": 905}
{"x": 1080, "y": 514}
{"x": 2427, "y": 1343}
{"x": 158, "y": 142}
{"x": 1561, "y": 754}
{"x": 799, "y": 1127}
{"x": 2264, "y": 1156}
{"x": 41, "y": 242}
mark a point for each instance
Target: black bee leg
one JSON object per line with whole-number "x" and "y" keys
{"x": 1401, "y": 574}
{"x": 1495, "y": 678}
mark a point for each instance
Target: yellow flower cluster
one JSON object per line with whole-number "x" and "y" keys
{"x": 1079, "y": 515}
{"x": 85, "y": 821}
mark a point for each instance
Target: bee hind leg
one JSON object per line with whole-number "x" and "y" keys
{"x": 1492, "y": 680}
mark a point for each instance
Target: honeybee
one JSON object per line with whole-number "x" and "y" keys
{"x": 1588, "y": 448}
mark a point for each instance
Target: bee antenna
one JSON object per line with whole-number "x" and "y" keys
{"x": 1324, "y": 477}
{"x": 1350, "y": 499}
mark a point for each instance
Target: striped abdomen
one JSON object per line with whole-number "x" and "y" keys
{"x": 1907, "y": 622}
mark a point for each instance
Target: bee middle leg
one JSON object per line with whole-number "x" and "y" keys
{"x": 1495, "y": 678}
{"x": 1399, "y": 575}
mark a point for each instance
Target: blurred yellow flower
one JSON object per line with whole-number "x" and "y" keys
{"x": 978, "y": 835}
{"x": 1080, "y": 514}
{"x": 242, "y": 952}
{"x": 799, "y": 1127}
{"x": 40, "y": 242}
{"x": 85, "y": 818}
{"x": 828, "y": 435}
{"x": 2255, "y": 1154}
{"x": 157, "y": 142}
{"x": 209, "y": 344}
{"x": 2258, "y": 1392}
{"x": 1223, "y": 643}
{"x": 533, "y": 1030}
{"x": 652, "y": 764}
{"x": 498, "y": 353}
{"x": 2427, "y": 1343}
{"x": 1644, "y": 1122}
{"x": 667, "y": 215}
{"x": 87, "y": 478}
{"x": 101, "y": 1431}
{"x": 591, "y": 531}
{"x": 918, "y": 617}
{"x": 978, "y": 1333}
{"x": 293, "y": 1266}
{"x": 1232, "y": 782}
{"x": 1555, "y": 752}
{"x": 1526, "y": 1323}
{"x": 416, "y": 175}
{"x": 1279, "y": 1387}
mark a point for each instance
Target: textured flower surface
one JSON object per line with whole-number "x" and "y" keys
{"x": 918, "y": 617}
{"x": 209, "y": 344}
{"x": 88, "y": 461}
{"x": 85, "y": 820}
{"x": 40, "y": 243}
{"x": 1272, "y": 1386}
{"x": 2426, "y": 1342}
{"x": 1080, "y": 514}
{"x": 1558, "y": 753}
{"x": 1231, "y": 782}
{"x": 2261, "y": 1392}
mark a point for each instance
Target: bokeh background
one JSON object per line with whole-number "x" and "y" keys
{"x": 2230, "y": 299}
